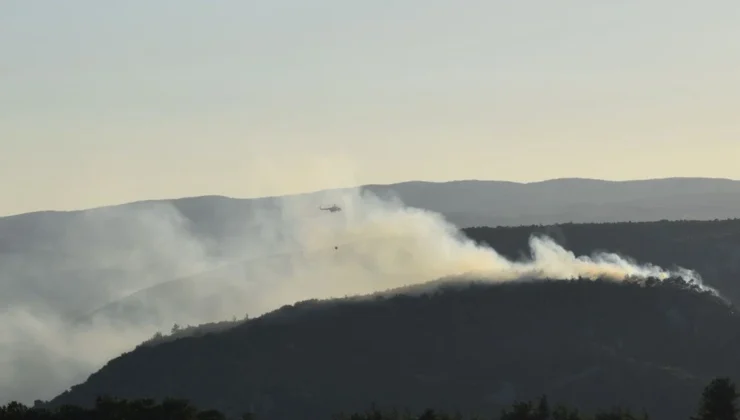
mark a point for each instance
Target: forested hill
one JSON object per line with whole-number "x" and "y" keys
{"x": 586, "y": 343}
{"x": 712, "y": 248}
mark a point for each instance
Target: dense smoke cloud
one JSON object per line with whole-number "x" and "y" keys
{"x": 57, "y": 326}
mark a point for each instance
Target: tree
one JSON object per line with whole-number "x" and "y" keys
{"x": 14, "y": 410}
{"x": 526, "y": 410}
{"x": 180, "y": 409}
{"x": 718, "y": 401}
{"x": 562, "y": 412}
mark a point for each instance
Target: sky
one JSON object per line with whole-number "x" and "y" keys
{"x": 110, "y": 102}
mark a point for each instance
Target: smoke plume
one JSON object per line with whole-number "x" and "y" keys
{"x": 99, "y": 283}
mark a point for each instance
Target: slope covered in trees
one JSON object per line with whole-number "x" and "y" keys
{"x": 711, "y": 248}
{"x": 477, "y": 348}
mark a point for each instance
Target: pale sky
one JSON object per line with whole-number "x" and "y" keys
{"x": 104, "y": 102}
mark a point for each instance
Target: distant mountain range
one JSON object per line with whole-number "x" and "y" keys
{"x": 141, "y": 267}
{"x": 107, "y": 248}
{"x": 487, "y": 203}
{"x": 496, "y": 203}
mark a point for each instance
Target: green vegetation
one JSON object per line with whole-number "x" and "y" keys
{"x": 711, "y": 248}
{"x": 639, "y": 345}
{"x": 194, "y": 331}
{"x": 476, "y": 347}
{"x": 717, "y": 402}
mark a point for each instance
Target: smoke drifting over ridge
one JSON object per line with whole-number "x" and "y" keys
{"x": 280, "y": 254}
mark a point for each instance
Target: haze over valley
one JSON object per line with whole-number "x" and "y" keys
{"x": 82, "y": 287}
{"x": 288, "y": 210}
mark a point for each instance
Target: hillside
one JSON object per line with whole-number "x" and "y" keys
{"x": 489, "y": 203}
{"x": 711, "y": 248}
{"x": 117, "y": 275}
{"x": 586, "y": 343}
{"x": 497, "y": 203}
{"x": 93, "y": 247}
{"x": 144, "y": 243}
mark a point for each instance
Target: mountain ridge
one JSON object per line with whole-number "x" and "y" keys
{"x": 302, "y": 359}
{"x": 639, "y": 240}
{"x": 60, "y": 269}
{"x": 549, "y": 181}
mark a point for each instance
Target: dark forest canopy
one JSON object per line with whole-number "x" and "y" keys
{"x": 712, "y": 248}
{"x": 478, "y": 347}
{"x": 718, "y": 401}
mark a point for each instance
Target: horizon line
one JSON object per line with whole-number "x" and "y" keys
{"x": 413, "y": 181}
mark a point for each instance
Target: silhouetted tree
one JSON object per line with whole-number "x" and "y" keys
{"x": 562, "y": 412}
{"x": 527, "y": 411}
{"x": 718, "y": 401}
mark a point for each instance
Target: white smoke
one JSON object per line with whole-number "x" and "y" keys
{"x": 279, "y": 255}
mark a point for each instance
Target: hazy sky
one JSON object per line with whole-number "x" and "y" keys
{"x": 104, "y": 102}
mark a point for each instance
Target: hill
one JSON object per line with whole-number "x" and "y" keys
{"x": 175, "y": 238}
{"x": 478, "y": 347}
{"x": 178, "y": 237}
{"x": 115, "y": 276}
{"x": 576, "y": 200}
{"x": 711, "y": 248}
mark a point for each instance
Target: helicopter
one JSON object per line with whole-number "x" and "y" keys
{"x": 332, "y": 209}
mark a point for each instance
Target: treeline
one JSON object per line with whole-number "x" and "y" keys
{"x": 717, "y": 402}
{"x": 178, "y": 331}
{"x": 477, "y": 346}
{"x": 708, "y": 247}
